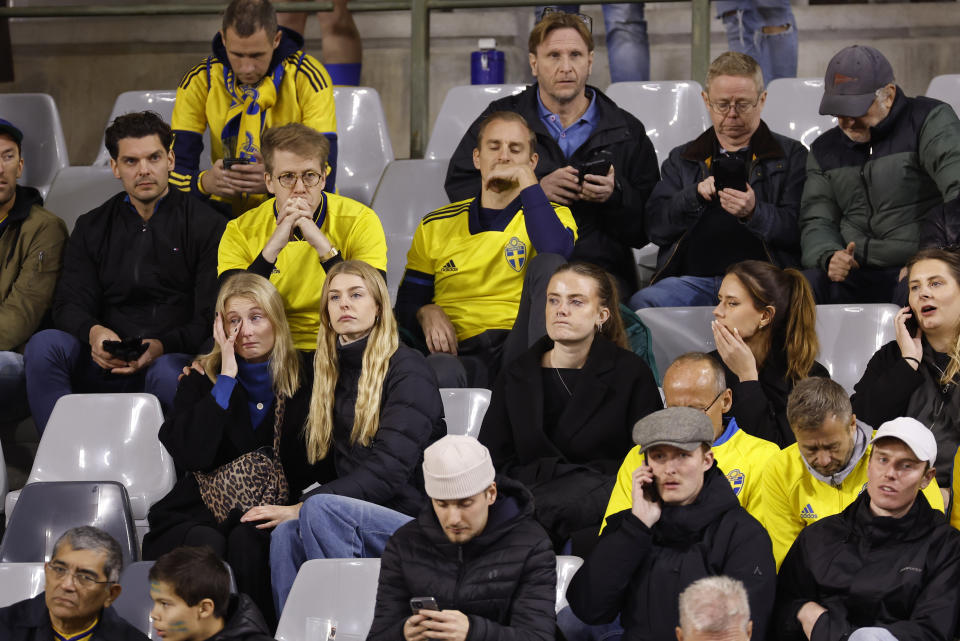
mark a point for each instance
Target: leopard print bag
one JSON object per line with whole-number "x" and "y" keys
{"x": 255, "y": 478}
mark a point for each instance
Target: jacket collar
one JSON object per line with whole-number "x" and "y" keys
{"x": 886, "y": 126}
{"x": 763, "y": 144}
{"x": 290, "y": 42}
{"x": 681, "y": 524}
{"x": 33, "y": 614}
{"x": 608, "y": 115}
{"x": 24, "y": 199}
{"x": 917, "y": 523}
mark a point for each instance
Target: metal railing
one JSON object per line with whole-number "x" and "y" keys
{"x": 419, "y": 34}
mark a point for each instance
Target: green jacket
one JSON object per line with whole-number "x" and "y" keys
{"x": 877, "y": 194}
{"x": 31, "y": 251}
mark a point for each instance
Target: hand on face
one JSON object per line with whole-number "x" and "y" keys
{"x": 228, "y": 358}
{"x": 734, "y": 352}
{"x": 910, "y": 346}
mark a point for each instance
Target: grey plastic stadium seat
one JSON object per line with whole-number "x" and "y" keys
{"x": 363, "y": 142}
{"x": 19, "y": 581}
{"x": 460, "y": 108}
{"x": 672, "y": 112}
{"x": 567, "y": 566}
{"x": 44, "y": 145}
{"x": 849, "y": 335}
{"x": 464, "y": 408}
{"x": 947, "y": 89}
{"x": 3, "y": 476}
{"x": 106, "y": 437}
{"x": 341, "y": 589}
{"x": 77, "y": 190}
{"x": 793, "y": 109}
{"x": 677, "y": 330}
{"x": 47, "y": 510}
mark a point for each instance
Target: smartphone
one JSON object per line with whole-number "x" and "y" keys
{"x": 418, "y": 603}
{"x": 596, "y": 167}
{"x": 228, "y": 163}
{"x": 650, "y": 491}
{"x": 729, "y": 172}
{"x": 911, "y": 323}
{"x": 128, "y": 349}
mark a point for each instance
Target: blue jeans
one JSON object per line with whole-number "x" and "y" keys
{"x": 329, "y": 527}
{"x": 744, "y": 21}
{"x": 678, "y": 291}
{"x": 13, "y": 388}
{"x": 58, "y": 364}
{"x": 628, "y": 47}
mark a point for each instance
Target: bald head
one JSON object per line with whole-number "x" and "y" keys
{"x": 697, "y": 380}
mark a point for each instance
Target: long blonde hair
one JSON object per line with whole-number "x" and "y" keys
{"x": 284, "y": 362}
{"x": 381, "y": 345}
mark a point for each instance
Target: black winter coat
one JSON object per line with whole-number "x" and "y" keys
{"x": 777, "y": 178}
{"x": 605, "y": 231}
{"x": 29, "y": 620}
{"x": 243, "y": 622}
{"x": 388, "y": 471}
{"x": 504, "y": 579}
{"x": 899, "y": 574}
{"x": 154, "y": 279}
{"x": 639, "y": 572}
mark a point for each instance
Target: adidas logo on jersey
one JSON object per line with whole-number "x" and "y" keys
{"x": 449, "y": 267}
{"x": 808, "y": 513}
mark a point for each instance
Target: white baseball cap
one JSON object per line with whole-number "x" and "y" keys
{"x": 912, "y": 432}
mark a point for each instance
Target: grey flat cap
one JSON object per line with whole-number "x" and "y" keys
{"x": 683, "y": 427}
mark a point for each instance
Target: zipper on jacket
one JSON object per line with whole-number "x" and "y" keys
{"x": 456, "y": 587}
{"x": 40, "y": 261}
{"x": 866, "y": 191}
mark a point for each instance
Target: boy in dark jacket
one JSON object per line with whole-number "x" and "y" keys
{"x": 685, "y": 524}
{"x": 476, "y": 551}
{"x": 190, "y": 588}
{"x": 888, "y": 566}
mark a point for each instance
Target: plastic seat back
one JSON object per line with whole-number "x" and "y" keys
{"x": 460, "y": 108}
{"x": 947, "y": 89}
{"x": 850, "y": 335}
{"x": 793, "y": 109}
{"x": 100, "y": 437}
{"x": 77, "y": 190}
{"x": 363, "y": 142}
{"x": 672, "y": 112}
{"x": 4, "y": 484}
{"x": 44, "y": 147}
{"x": 676, "y": 331}
{"x": 567, "y": 566}
{"x": 19, "y": 581}
{"x": 344, "y": 590}
{"x": 464, "y": 408}
{"x": 47, "y": 510}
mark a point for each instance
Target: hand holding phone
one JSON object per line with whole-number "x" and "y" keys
{"x": 646, "y": 498}
{"x": 418, "y": 603}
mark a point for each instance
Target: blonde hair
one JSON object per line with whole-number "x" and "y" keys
{"x": 734, "y": 63}
{"x": 284, "y": 362}
{"x": 381, "y": 345}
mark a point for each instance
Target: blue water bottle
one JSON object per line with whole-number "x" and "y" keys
{"x": 487, "y": 65}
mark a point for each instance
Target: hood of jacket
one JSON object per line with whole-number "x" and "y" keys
{"x": 290, "y": 42}
{"x": 243, "y": 620}
{"x": 681, "y": 525}
{"x": 23, "y": 200}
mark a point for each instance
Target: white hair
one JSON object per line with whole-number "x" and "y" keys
{"x": 714, "y": 604}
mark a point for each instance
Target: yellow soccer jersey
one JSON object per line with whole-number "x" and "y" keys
{"x": 740, "y": 456}
{"x": 955, "y": 509}
{"x": 351, "y": 227}
{"x": 478, "y": 275}
{"x": 790, "y": 498}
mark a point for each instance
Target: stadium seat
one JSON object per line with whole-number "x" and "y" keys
{"x": 460, "y": 108}
{"x": 850, "y": 335}
{"x": 344, "y": 590}
{"x": 44, "y": 145}
{"x": 672, "y": 112}
{"x": 363, "y": 142}
{"x": 106, "y": 437}
{"x": 19, "y": 581}
{"x": 463, "y": 409}
{"x": 77, "y": 190}
{"x": 3, "y": 478}
{"x": 677, "y": 330}
{"x": 793, "y": 109}
{"x": 567, "y": 566}
{"x": 947, "y": 89}
{"x": 47, "y": 510}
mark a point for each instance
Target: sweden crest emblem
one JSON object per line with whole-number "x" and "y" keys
{"x": 516, "y": 254}
{"x": 736, "y": 479}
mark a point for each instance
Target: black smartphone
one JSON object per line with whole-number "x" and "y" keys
{"x": 729, "y": 172}
{"x": 596, "y": 167}
{"x": 418, "y": 603}
{"x": 910, "y": 322}
{"x": 128, "y": 349}
{"x": 650, "y": 491}
{"x": 228, "y": 163}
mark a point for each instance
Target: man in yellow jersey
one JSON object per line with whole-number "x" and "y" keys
{"x": 824, "y": 471}
{"x": 471, "y": 260}
{"x": 258, "y": 77}
{"x": 82, "y": 580}
{"x": 296, "y": 237}
{"x": 697, "y": 380}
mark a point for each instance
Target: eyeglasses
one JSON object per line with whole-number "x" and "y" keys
{"x": 289, "y": 179}
{"x": 722, "y": 108}
{"x": 715, "y": 398}
{"x": 82, "y": 579}
{"x": 587, "y": 20}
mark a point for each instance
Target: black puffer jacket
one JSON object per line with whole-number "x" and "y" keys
{"x": 243, "y": 622}
{"x": 504, "y": 580}
{"x": 387, "y": 472}
{"x": 899, "y": 574}
{"x": 29, "y": 620}
{"x": 639, "y": 572}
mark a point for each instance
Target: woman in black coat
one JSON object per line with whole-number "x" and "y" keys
{"x": 561, "y": 415}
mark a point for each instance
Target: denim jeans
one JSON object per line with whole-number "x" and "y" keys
{"x": 744, "y": 21}
{"x": 628, "y": 47}
{"x": 58, "y": 364}
{"x": 13, "y": 388}
{"x": 678, "y": 291}
{"x": 329, "y": 527}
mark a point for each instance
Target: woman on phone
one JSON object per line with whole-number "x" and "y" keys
{"x": 916, "y": 375}
{"x": 764, "y": 330}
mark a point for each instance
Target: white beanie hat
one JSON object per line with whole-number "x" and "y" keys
{"x": 456, "y": 467}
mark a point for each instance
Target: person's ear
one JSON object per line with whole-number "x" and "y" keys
{"x": 115, "y": 167}
{"x": 762, "y": 101}
{"x": 205, "y": 608}
{"x": 749, "y": 628}
{"x": 533, "y": 64}
{"x": 112, "y": 594}
{"x": 476, "y": 156}
{"x": 726, "y": 400}
{"x": 491, "y": 493}
{"x": 766, "y": 315}
{"x": 707, "y": 460}
{"x": 928, "y": 477}
{"x": 604, "y": 314}
{"x": 268, "y": 180}
{"x": 534, "y": 159}
{"x": 679, "y": 632}
{"x": 277, "y": 38}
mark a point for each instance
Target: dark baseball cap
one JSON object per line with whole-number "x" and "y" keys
{"x": 683, "y": 427}
{"x": 853, "y": 76}
{"x": 8, "y": 128}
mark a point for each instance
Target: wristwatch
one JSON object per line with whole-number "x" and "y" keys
{"x": 333, "y": 253}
